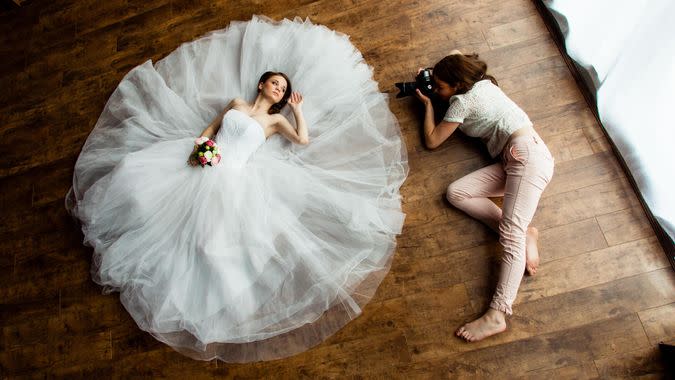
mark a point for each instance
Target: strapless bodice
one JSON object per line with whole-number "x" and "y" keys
{"x": 239, "y": 137}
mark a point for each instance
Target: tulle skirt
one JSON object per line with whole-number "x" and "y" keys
{"x": 247, "y": 262}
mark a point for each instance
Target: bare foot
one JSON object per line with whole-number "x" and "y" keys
{"x": 491, "y": 323}
{"x": 531, "y": 251}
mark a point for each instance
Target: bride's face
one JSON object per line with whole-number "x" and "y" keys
{"x": 274, "y": 87}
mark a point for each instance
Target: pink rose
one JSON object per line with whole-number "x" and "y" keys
{"x": 203, "y": 160}
{"x": 201, "y": 140}
{"x": 215, "y": 160}
{"x": 210, "y": 143}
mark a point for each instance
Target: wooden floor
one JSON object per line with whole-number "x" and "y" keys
{"x": 604, "y": 296}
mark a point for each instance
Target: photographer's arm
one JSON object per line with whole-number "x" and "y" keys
{"x": 434, "y": 135}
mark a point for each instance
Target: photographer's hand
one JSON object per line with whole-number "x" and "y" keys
{"x": 419, "y": 70}
{"x": 434, "y": 135}
{"x": 423, "y": 98}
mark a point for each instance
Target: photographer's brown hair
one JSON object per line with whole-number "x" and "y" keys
{"x": 462, "y": 71}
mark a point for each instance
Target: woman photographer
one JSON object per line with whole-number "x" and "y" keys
{"x": 479, "y": 108}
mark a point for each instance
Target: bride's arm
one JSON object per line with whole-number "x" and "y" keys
{"x": 283, "y": 126}
{"x": 212, "y": 129}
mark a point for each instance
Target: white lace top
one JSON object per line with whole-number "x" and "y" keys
{"x": 486, "y": 112}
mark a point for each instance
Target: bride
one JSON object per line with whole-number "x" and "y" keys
{"x": 284, "y": 241}
{"x": 274, "y": 92}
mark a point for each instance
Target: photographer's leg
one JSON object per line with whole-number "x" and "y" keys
{"x": 470, "y": 194}
{"x": 529, "y": 169}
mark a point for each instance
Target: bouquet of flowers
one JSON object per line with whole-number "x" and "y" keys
{"x": 206, "y": 152}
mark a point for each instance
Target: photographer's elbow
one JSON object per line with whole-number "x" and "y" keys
{"x": 431, "y": 144}
{"x": 430, "y": 140}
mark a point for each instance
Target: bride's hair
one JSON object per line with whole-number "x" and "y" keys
{"x": 276, "y": 107}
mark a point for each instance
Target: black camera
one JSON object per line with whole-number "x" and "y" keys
{"x": 423, "y": 81}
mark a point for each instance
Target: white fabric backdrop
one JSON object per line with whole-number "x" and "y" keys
{"x": 628, "y": 49}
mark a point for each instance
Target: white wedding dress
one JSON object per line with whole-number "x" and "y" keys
{"x": 277, "y": 247}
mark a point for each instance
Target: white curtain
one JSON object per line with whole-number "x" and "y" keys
{"x": 628, "y": 50}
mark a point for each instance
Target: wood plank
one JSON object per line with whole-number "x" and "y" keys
{"x": 67, "y": 317}
{"x": 91, "y": 370}
{"x": 27, "y": 284}
{"x": 516, "y": 31}
{"x": 659, "y": 323}
{"x": 458, "y": 235}
{"x": 520, "y": 53}
{"x": 643, "y": 363}
{"x": 570, "y": 240}
{"x": 146, "y": 364}
{"x": 65, "y": 144}
{"x": 40, "y": 187}
{"x": 576, "y": 347}
{"x": 579, "y": 371}
{"x": 25, "y": 358}
{"x": 584, "y": 203}
{"x": 598, "y": 139}
{"x": 620, "y": 335}
{"x": 497, "y": 14}
{"x": 589, "y": 170}
{"x": 379, "y": 318}
{"x": 435, "y": 181}
{"x": 589, "y": 305}
{"x": 65, "y": 351}
{"x": 573, "y": 117}
{"x": 547, "y": 100}
{"x": 434, "y": 43}
{"x": 593, "y": 304}
{"x": 129, "y": 341}
{"x": 98, "y": 48}
{"x": 41, "y": 305}
{"x": 103, "y": 15}
{"x": 569, "y": 146}
{"x": 580, "y": 271}
{"x": 390, "y": 286}
{"x": 532, "y": 75}
{"x": 547, "y": 351}
{"x": 625, "y": 225}
{"x": 439, "y": 269}
{"x": 32, "y": 220}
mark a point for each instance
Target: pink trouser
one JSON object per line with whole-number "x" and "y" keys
{"x": 521, "y": 176}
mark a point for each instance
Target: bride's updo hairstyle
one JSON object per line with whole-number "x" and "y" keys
{"x": 276, "y": 107}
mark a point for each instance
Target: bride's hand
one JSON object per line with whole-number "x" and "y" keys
{"x": 191, "y": 159}
{"x": 295, "y": 101}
